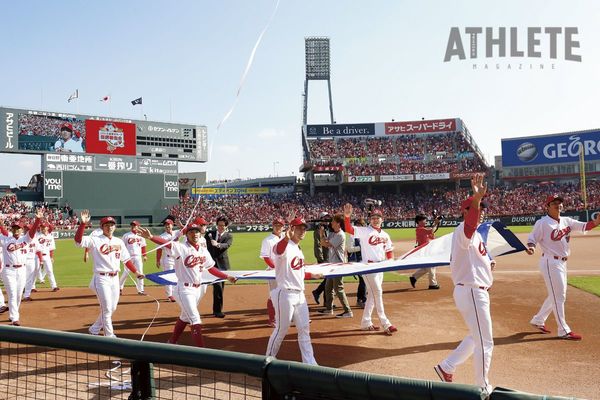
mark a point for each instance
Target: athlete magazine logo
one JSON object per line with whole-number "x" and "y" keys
{"x": 502, "y": 48}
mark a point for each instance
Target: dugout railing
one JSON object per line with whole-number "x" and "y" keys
{"x": 45, "y": 364}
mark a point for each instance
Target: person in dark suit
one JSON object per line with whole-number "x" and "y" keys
{"x": 218, "y": 242}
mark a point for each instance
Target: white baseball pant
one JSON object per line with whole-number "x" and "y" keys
{"x": 188, "y": 298}
{"x": 167, "y": 266}
{"x": 474, "y": 306}
{"x": 374, "y": 284}
{"x": 49, "y": 268}
{"x": 555, "y": 277}
{"x": 31, "y": 271}
{"x": 422, "y": 271}
{"x": 291, "y": 305}
{"x": 14, "y": 282}
{"x": 107, "y": 290}
{"x": 2, "y": 302}
{"x": 139, "y": 265}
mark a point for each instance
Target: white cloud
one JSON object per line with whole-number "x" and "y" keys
{"x": 271, "y": 133}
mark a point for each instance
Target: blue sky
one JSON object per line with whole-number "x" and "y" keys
{"x": 387, "y": 63}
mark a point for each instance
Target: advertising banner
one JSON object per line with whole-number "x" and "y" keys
{"x": 361, "y": 179}
{"x": 396, "y": 178}
{"x": 53, "y": 184}
{"x": 430, "y": 126}
{"x": 432, "y": 177}
{"x": 171, "y": 186}
{"x": 229, "y": 191}
{"x": 552, "y": 149}
{"x": 340, "y": 130}
{"x": 107, "y": 137}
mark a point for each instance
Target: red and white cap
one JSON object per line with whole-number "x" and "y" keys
{"x": 465, "y": 204}
{"x": 134, "y": 223}
{"x": 553, "y": 197}
{"x": 17, "y": 224}
{"x": 298, "y": 221}
{"x": 192, "y": 227}
{"x": 66, "y": 126}
{"x": 200, "y": 221}
{"x": 168, "y": 221}
{"x": 278, "y": 221}
{"x": 107, "y": 220}
{"x": 376, "y": 213}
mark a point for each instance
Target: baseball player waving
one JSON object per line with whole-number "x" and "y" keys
{"x": 136, "y": 246}
{"x": 266, "y": 253}
{"x": 191, "y": 258}
{"x": 15, "y": 249}
{"x": 376, "y": 245}
{"x": 107, "y": 252}
{"x": 552, "y": 233}
{"x": 471, "y": 269}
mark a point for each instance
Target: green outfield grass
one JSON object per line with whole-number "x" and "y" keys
{"x": 590, "y": 284}
{"x": 70, "y": 270}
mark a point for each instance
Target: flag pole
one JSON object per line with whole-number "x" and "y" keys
{"x": 77, "y": 100}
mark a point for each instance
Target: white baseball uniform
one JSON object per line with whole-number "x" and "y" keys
{"x": 374, "y": 244}
{"x": 136, "y": 246}
{"x": 290, "y": 302}
{"x": 13, "y": 271}
{"x": 553, "y": 237}
{"x": 165, "y": 256}
{"x": 32, "y": 265}
{"x": 266, "y": 253}
{"x": 471, "y": 270}
{"x": 2, "y": 301}
{"x": 107, "y": 254}
{"x": 47, "y": 246}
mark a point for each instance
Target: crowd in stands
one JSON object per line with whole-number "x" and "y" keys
{"x": 260, "y": 209}
{"x": 398, "y": 154}
{"x": 39, "y": 125}
{"x": 13, "y": 210}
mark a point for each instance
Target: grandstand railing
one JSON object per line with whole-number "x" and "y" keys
{"x": 37, "y": 362}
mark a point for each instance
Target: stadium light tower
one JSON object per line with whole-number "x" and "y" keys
{"x": 317, "y": 59}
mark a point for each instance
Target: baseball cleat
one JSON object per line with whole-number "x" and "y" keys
{"x": 3, "y": 309}
{"x": 370, "y": 328}
{"x": 56, "y": 289}
{"x": 16, "y": 323}
{"x": 27, "y": 299}
{"x": 571, "y": 336}
{"x": 541, "y": 328}
{"x": 171, "y": 299}
{"x": 413, "y": 282}
{"x": 347, "y": 314}
{"x": 92, "y": 332}
{"x": 141, "y": 293}
{"x": 444, "y": 377}
{"x": 434, "y": 287}
{"x": 34, "y": 290}
{"x": 390, "y": 330}
{"x": 326, "y": 311}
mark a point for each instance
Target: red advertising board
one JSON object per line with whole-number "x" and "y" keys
{"x": 107, "y": 137}
{"x": 430, "y": 126}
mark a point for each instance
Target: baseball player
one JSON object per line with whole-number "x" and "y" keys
{"x": 266, "y": 253}
{"x": 15, "y": 249}
{"x": 136, "y": 246}
{"x": 553, "y": 232}
{"x": 107, "y": 252}
{"x": 3, "y": 307}
{"x": 164, "y": 258}
{"x": 424, "y": 235}
{"x": 375, "y": 245}
{"x": 46, "y": 248}
{"x": 471, "y": 268}
{"x": 33, "y": 262}
{"x": 288, "y": 297}
{"x": 191, "y": 258}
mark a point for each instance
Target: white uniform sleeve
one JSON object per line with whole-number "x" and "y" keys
{"x": 52, "y": 243}
{"x": 461, "y": 239}
{"x": 86, "y": 242}
{"x": 575, "y": 225}
{"x": 143, "y": 242}
{"x": 125, "y": 256}
{"x": 175, "y": 250}
{"x": 389, "y": 246}
{"x": 265, "y": 250}
{"x": 536, "y": 234}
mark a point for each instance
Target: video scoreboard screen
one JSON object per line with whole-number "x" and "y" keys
{"x": 39, "y": 132}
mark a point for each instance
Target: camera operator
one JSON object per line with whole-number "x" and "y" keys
{"x": 425, "y": 235}
{"x": 321, "y": 253}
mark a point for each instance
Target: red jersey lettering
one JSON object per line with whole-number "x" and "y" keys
{"x": 375, "y": 240}
{"x": 192, "y": 261}
{"x": 107, "y": 249}
{"x": 297, "y": 263}
{"x": 558, "y": 234}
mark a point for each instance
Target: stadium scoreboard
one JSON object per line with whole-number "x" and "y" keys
{"x": 43, "y": 132}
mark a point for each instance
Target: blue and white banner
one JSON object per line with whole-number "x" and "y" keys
{"x": 499, "y": 241}
{"x": 551, "y": 149}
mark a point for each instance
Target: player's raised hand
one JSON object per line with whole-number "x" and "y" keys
{"x": 39, "y": 213}
{"x": 479, "y": 186}
{"x": 289, "y": 233}
{"x": 144, "y": 232}
{"x": 347, "y": 210}
{"x": 84, "y": 216}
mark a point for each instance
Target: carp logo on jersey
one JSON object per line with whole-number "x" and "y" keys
{"x": 107, "y": 249}
{"x": 297, "y": 263}
{"x": 16, "y": 246}
{"x": 192, "y": 261}
{"x": 133, "y": 240}
{"x": 482, "y": 249}
{"x": 375, "y": 240}
{"x": 558, "y": 234}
